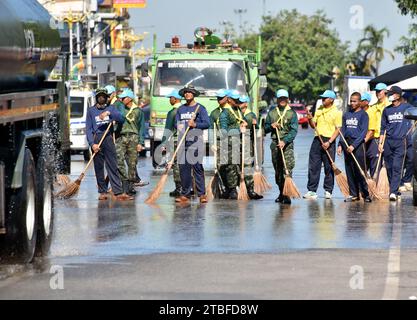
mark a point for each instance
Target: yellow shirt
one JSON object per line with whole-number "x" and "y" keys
{"x": 327, "y": 120}
{"x": 372, "y": 120}
{"x": 378, "y": 108}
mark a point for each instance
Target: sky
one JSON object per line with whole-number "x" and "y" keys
{"x": 167, "y": 18}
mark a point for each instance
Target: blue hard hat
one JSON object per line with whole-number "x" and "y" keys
{"x": 234, "y": 94}
{"x": 110, "y": 89}
{"x": 244, "y": 99}
{"x": 174, "y": 93}
{"x": 328, "y": 94}
{"x": 366, "y": 96}
{"x": 281, "y": 93}
{"x": 221, "y": 93}
{"x": 381, "y": 86}
{"x": 127, "y": 93}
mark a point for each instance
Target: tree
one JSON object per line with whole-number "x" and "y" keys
{"x": 301, "y": 52}
{"x": 408, "y": 45}
{"x": 371, "y": 51}
{"x": 407, "y": 7}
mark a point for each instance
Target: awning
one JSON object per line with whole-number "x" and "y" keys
{"x": 396, "y": 76}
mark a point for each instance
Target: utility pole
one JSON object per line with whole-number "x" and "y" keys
{"x": 240, "y": 12}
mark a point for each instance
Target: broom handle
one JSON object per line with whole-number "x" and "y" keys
{"x": 243, "y": 156}
{"x": 282, "y": 153}
{"x": 255, "y": 145}
{"x": 379, "y": 157}
{"x": 353, "y": 156}
{"x": 99, "y": 145}
{"x": 322, "y": 142}
{"x": 170, "y": 163}
{"x": 215, "y": 145}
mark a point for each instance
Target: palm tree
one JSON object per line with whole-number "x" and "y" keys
{"x": 371, "y": 49}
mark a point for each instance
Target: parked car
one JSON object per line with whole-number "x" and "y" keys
{"x": 301, "y": 111}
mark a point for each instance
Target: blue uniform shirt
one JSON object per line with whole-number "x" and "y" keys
{"x": 355, "y": 126}
{"x": 393, "y": 122}
{"x": 184, "y": 114}
{"x": 96, "y": 126}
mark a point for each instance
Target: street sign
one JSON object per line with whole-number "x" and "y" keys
{"x": 129, "y": 4}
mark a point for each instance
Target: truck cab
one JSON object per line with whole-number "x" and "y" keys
{"x": 80, "y": 101}
{"x": 209, "y": 65}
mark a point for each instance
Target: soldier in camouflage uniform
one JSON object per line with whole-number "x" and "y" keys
{"x": 231, "y": 122}
{"x": 170, "y": 138}
{"x": 129, "y": 139}
{"x": 285, "y": 119}
{"x": 250, "y": 134}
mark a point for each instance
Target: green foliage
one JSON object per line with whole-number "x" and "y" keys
{"x": 407, "y": 7}
{"x": 408, "y": 45}
{"x": 301, "y": 52}
{"x": 370, "y": 52}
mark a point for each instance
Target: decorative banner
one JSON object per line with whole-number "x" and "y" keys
{"x": 119, "y": 4}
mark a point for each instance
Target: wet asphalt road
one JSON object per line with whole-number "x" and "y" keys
{"x": 323, "y": 249}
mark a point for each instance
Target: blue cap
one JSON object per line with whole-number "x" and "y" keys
{"x": 221, "y": 93}
{"x": 244, "y": 99}
{"x": 234, "y": 94}
{"x": 366, "y": 96}
{"x": 110, "y": 89}
{"x": 174, "y": 93}
{"x": 127, "y": 93}
{"x": 329, "y": 94}
{"x": 281, "y": 93}
{"x": 381, "y": 86}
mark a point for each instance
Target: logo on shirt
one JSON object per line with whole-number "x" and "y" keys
{"x": 187, "y": 116}
{"x": 352, "y": 122}
{"x": 100, "y": 122}
{"x": 396, "y": 117}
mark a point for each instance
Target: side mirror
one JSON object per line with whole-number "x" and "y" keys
{"x": 411, "y": 114}
{"x": 262, "y": 69}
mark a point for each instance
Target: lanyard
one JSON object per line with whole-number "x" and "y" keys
{"x": 282, "y": 115}
{"x": 130, "y": 113}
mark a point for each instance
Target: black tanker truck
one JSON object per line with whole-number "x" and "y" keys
{"x": 34, "y": 129}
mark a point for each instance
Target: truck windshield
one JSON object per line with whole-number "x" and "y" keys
{"x": 77, "y": 107}
{"x": 207, "y": 76}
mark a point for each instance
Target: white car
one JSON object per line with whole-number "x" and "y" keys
{"x": 80, "y": 101}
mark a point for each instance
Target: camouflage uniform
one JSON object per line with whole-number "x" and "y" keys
{"x": 171, "y": 139}
{"x": 288, "y": 129}
{"x": 249, "y": 116}
{"x": 214, "y": 130}
{"x": 230, "y": 119}
{"x": 128, "y": 136}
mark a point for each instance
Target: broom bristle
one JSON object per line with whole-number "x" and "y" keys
{"x": 70, "y": 190}
{"x": 383, "y": 184}
{"x": 243, "y": 192}
{"x": 342, "y": 182}
{"x": 209, "y": 189}
{"x": 290, "y": 189}
{"x": 63, "y": 180}
{"x": 154, "y": 195}
{"x": 372, "y": 189}
{"x": 260, "y": 184}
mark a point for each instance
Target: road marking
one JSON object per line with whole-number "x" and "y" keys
{"x": 393, "y": 271}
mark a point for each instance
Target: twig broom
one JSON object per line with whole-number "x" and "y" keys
{"x": 260, "y": 183}
{"x": 290, "y": 189}
{"x": 72, "y": 188}
{"x": 369, "y": 181}
{"x": 156, "y": 193}
{"x": 243, "y": 192}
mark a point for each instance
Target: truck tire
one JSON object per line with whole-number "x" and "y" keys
{"x": 154, "y": 145}
{"x": 44, "y": 207}
{"x": 87, "y": 155}
{"x": 414, "y": 192}
{"x": 21, "y": 222}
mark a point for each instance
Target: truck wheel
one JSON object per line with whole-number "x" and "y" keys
{"x": 45, "y": 208}
{"x": 154, "y": 145}
{"x": 87, "y": 155}
{"x": 22, "y": 219}
{"x": 414, "y": 192}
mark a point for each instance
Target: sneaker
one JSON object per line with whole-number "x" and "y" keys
{"x": 368, "y": 199}
{"x": 310, "y": 195}
{"x": 351, "y": 199}
{"x": 403, "y": 189}
{"x": 279, "y": 199}
{"x": 409, "y": 186}
{"x": 141, "y": 183}
{"x": 327, "y": 195}
{"x": 286, "y": 200}
{"x": 393, "y": 197}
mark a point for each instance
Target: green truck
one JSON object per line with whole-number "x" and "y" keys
{"x": 209, "y": 64}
